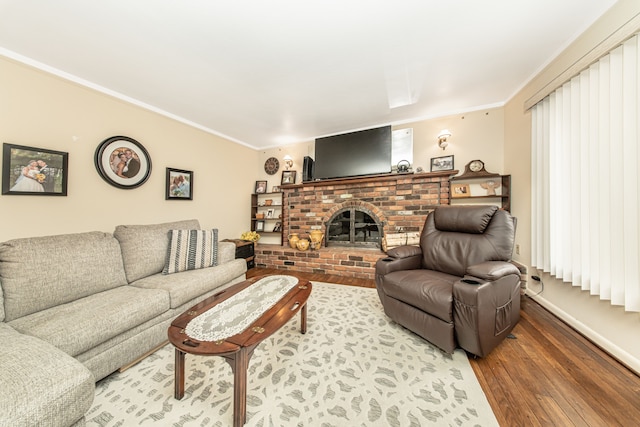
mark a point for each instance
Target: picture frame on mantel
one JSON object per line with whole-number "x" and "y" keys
{"x": 288, "y": 177}
{"x": 443, "y": 163}
{"x": 33, "y": 171}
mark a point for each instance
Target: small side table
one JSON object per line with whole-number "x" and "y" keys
{"x": 244, "y": 249}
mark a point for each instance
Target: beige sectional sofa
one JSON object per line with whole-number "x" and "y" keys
{"x": 76, "y": 307}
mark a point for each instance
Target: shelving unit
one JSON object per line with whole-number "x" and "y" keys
{"x": 474, "y": 177}
{"x": 265, "y": 218}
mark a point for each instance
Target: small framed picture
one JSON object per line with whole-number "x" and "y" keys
{"x": 259, "y": 225}
{"x": 179, "y": 185}
{"x": 123, "y": 162}
{"x": 288, "y": 177}
{"x": 270, "y": 213}
{"x": 460, "y": 190}
{"x": 33, "y": 171}
{"x": 261, "y": 187}
{"x": 275, "y": 189}
{"x": 444, "y": 163}
{"x": 277, "y": 227}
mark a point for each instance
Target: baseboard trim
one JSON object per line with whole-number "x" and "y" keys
{"x": 603, "y": 343}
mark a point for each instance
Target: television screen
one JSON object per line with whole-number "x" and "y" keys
{"x": 366, "y": 152}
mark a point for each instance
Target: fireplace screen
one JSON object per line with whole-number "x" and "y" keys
{"x": 354, "y": 227}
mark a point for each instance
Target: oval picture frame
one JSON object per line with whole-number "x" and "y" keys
{"x": 123, "y": 162}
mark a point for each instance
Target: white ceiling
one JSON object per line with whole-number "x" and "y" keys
{"x": 268, "y": 73}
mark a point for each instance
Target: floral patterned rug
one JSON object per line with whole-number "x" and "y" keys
{"x": 353, "y": 367}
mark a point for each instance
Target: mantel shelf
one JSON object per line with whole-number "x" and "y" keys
{"x": 369, "y": 178}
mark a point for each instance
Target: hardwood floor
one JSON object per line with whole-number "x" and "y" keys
{"x": 549, "y": 375}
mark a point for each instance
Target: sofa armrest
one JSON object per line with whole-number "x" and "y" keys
{"x": 400, "y": 258}
{"x": 492, "y": 270}
{"x": 226, "y": 252}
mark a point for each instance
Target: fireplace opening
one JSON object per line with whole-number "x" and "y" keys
{"x": 354, "y": 227}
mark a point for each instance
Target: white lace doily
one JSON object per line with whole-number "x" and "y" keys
{"x": 235, "y": 314}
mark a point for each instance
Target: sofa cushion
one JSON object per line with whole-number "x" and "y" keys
{"x": 38, "y": 273}
{"x": 83, "y": 324}
{"x": 144, "y": 247}
{"x": 410, "y": 287}
{"x": 186, "y": 286}
{"x": 191, "y": 250}
{"x": 41, "y": 385}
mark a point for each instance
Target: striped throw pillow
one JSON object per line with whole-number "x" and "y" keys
{"x": 191, "y": 250}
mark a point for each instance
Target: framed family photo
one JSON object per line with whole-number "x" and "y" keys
{"x": 123, "y": 162}
{"x": 179, "y": 185}
{"x": 34, "y": 171}
{"x": 460, "y": 190}
{"x": 261, "y": 187}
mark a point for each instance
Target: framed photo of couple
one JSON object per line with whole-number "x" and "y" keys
{"x": 123, "y": 162}
{"x": 34, "y": 171}
{"x": 179, "y": 185}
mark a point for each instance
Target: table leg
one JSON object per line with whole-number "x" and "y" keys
{"x": 303, "y": 319}
{"x": 240, "y": 366}
{"x": 179, "y": 375}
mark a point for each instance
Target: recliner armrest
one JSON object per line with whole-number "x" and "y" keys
{"x": 404, "y": 251}
{"x": 492, "y": 270}
{"x": 400, "y": 258}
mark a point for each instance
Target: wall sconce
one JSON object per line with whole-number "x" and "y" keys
{"x": 442, "y": 138}
{"x": 288, "y": 161}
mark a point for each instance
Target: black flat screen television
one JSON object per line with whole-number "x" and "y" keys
{"x": 366, "y": 152}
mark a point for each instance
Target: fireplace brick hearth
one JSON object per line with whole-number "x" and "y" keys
{"x": 401, "y": 203}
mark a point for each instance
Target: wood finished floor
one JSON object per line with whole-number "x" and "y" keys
{"x": 549, "y": 375}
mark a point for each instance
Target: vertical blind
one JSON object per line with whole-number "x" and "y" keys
{"x": 585, "y": 179}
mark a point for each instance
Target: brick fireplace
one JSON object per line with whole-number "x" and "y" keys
{"x": 400, "y": 202}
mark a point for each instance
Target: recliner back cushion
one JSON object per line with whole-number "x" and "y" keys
{"x": 463, "y": 219}
{"x": 42, "y": 272}
{"x": 144, "y": 247}
{"x": 488, "y": 234}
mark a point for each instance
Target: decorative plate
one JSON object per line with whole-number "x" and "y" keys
{"x": 271, "y": 166}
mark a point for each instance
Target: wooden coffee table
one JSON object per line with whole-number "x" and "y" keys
{"x": 233, "y": 322}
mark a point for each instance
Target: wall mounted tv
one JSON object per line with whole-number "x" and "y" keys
{"x": 366, "y": 152}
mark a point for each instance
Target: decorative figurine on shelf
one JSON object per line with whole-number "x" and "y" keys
{"x": 490, "y": 186}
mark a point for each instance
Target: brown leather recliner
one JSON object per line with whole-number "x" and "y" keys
{"x": 457, "y": 288}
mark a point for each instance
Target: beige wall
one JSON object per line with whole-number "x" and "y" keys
{"x": 475, "y": 135}
{"x": 41, "y": 110}
{"x": 610, "y": 327}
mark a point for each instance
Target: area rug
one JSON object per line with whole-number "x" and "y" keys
{"x": 353, "y": 367}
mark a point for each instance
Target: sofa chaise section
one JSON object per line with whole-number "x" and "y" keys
{"x": 41, "y": 385}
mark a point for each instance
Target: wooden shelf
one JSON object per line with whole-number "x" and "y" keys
{"x": 257, "y": 205}
{"x": 505, "y": 189}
